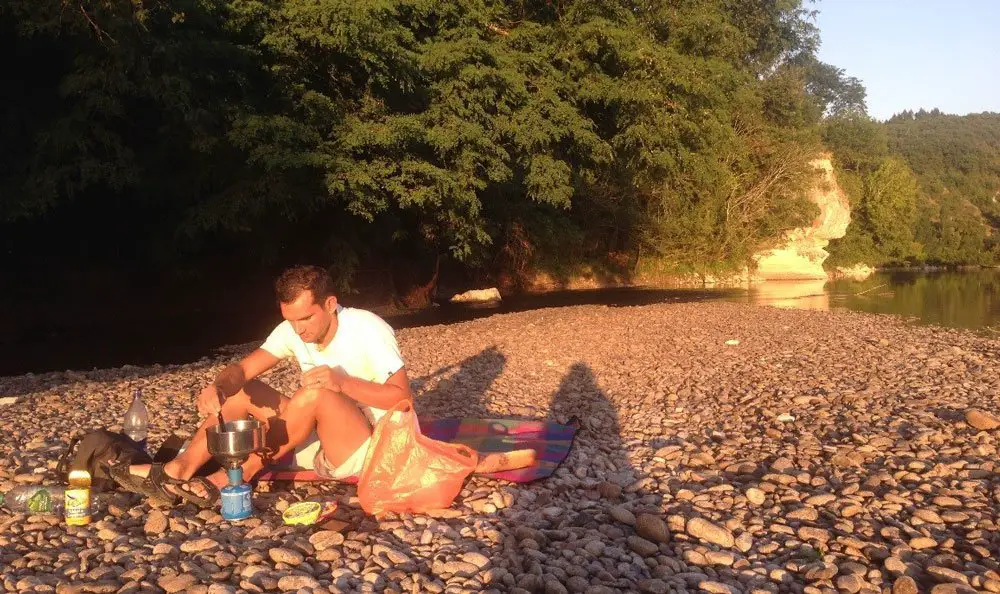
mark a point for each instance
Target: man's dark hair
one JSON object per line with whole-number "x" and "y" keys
{"x": 296, "y": 279}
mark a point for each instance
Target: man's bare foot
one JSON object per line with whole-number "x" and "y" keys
{"x": 502, "y": 461}
{"x": 219, "y": 479}
{"x": 140, "y": 469}
{"x": 170, "y": 469}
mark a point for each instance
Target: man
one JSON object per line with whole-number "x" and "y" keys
{"x": 352, "y": 374}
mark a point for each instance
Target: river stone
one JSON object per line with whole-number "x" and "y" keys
{"x": 594, "y": 547}
{"x": 952, "y": 516}
{"x": 396, "y": 557}
{"x": 459, "y": 568}
{"x": 944, "y": 574}
{"x": 478, "y": 559}
{"x": 821, "y": 499}
{"x": 283, "y": 555}
{"x": 946, "y": 501}
{"x": 929, "y": 516}
{"x": 553, "y": 586}
{"x": 577, "y": 584}
{"x": 981, "y": 420}
{"x": 922, "y": 542}
{"x": 642, "y": 546}
{"x": 653, "y": 586}
{"x": 609, "y": 490}
{"x": 849, "y": 583}
{"x": 808, "y": 514}
{"x": 251, "y": 570}
{"x": 895, "y": 565}
{"x": 156, "y": 522}
{"x": 295, "y": 582}
{"x": 755, "y": 496}
{"x": 714, "y": 587}
{"x": 720, "y": 558}
{"x": 176, "y": 583}
{"x": 325, "y": 539}
{"x": 652, "y": 527}
{"x": 952, "y": 589}
{"x": 709, "y": 532}
{"x": 196, "y": 546}
{"x": 164, "y": 548}
{"x": 904, "y": 585}
{"x": 744, "y": 542}
{"x": 622, "y": 515}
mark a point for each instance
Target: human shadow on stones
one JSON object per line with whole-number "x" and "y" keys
{"x": 599, "y": 488}
{"x": 460, "y": 389}
{"x": 600, "y": 453}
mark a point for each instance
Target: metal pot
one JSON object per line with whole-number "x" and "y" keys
{"x": 235, "y": 441}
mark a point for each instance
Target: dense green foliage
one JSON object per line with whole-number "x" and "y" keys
{"x": 205, "y": 135}
{"x": 923, "y": 186}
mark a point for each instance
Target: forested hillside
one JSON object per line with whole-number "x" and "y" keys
{"x": 193, "y": 141}
{"x": 924, "y": 188}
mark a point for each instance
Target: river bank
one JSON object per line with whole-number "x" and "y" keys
{"x": 826, "y": 451}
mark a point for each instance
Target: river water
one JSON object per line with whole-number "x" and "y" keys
{"x": 964, "y": 299}
{"x": 967, "y": 299}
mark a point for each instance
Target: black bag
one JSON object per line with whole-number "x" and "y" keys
{"x": 95, "y": 452}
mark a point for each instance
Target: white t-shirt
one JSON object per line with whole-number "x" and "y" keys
{"x": 364, "y": 347}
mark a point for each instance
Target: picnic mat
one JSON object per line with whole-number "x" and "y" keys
{"x": 550, "y": 440}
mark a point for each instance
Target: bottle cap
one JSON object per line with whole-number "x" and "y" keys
{"x": 78, "y": 478}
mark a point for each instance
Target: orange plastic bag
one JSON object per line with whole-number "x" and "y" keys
{"x": 406, "y": 471}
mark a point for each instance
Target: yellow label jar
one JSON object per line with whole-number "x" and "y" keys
{"x": 77, "y": 505}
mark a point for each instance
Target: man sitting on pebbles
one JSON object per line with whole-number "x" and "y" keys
{"x": 352, "y": 374}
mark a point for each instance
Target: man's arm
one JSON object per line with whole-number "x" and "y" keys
{"x": 383, "y": 396}
{"x": 232, "y": 379}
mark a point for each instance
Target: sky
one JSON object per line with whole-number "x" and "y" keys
{"x": 913, "y": 54}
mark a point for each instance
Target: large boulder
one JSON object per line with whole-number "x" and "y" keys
{"x": 478, "y": 296}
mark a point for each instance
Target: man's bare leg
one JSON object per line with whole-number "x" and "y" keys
{"x": 256, "y": 398}
{"x": 341, "y": 426}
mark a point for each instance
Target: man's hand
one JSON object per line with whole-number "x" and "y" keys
{"x": 324, "y": 377}
{"x": 210, "y": 400}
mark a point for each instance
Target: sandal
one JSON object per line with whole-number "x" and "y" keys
{"x": 150, "y": 486}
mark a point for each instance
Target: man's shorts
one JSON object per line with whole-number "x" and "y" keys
{"x": 309, "y": 455}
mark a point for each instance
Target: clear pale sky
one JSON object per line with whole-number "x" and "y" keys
{"x": 913, "y": 54}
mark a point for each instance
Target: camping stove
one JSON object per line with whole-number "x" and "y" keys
{"x": 231, "y": 444}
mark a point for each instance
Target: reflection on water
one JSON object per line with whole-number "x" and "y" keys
{"x": 969, "y": 299}
{"x": 963, "y": 299}
{"x": 791, "y": 294}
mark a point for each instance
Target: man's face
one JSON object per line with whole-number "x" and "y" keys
{"x": 310, "y": 320}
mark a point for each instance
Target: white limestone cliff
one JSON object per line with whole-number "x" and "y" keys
{"x": 803, "y": 254}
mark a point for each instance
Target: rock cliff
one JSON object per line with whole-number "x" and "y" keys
{"x": 803, "y": 254}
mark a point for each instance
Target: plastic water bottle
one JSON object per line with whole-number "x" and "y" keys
{"x": 43, "y": 500}
{"x": 136, "y": 425}
{"x": 34, "y": 499}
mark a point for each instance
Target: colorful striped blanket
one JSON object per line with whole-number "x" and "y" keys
{"x": 550, "y": 440}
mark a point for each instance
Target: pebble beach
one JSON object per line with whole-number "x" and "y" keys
{"x": 724, "y": 448}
